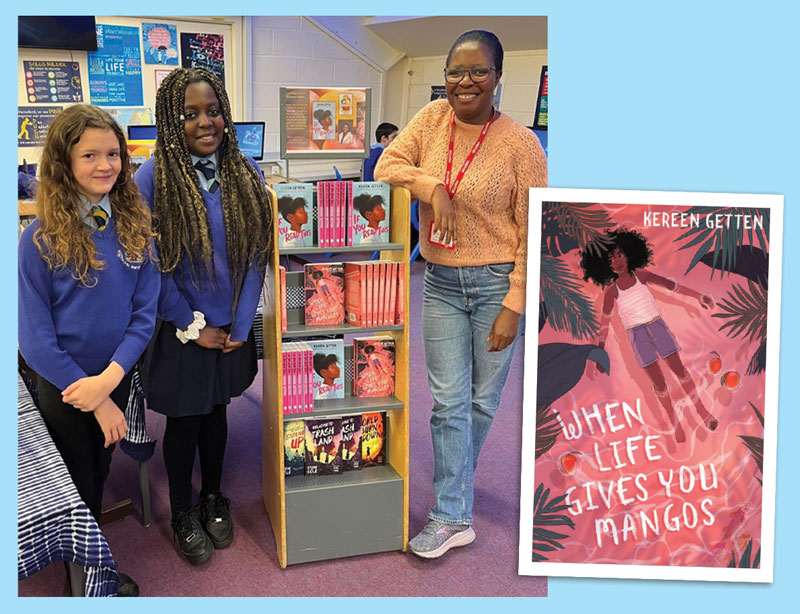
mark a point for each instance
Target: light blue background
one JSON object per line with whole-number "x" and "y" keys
{"x": 695, "y": 96}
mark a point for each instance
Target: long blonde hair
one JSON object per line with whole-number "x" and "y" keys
{"x": 63, "y": 238}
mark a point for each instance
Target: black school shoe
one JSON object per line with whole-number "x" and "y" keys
{"x": 193, "y": 542}
{"x": 215, "y": 516}
{"x": 127, "y": 586}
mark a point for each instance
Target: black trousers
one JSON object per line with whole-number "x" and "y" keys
{"x": 184, "y": 437}
{"x": 79, "y": 439}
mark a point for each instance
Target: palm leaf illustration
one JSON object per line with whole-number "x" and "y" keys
{"x": 745, "y": 312}
{"x": 567, "y": 307}
{"x": 724, "y": 242}
{"x": 546, "y": 514}
{"x": 547, "y": 429}
{"x": 570, "y": 225}
{"x": 759, "y": 360}
{"x": 745, "y": 562}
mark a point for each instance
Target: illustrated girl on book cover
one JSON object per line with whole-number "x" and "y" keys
{"x": 617, "y": 261}
{"x": 294, "y": 230}
{"x": 324, "y": 294}
{"x": 375, "y": 368}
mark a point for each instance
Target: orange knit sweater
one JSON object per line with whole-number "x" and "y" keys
{"x": 491, "y": 204}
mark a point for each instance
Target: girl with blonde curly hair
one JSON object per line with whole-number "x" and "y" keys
{"x": 88, "y": 292}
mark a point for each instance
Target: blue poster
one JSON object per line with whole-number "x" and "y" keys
{"x": 32, "y": 124}
{"x": 160, "y": 43}
{"x": 115, "y": 69}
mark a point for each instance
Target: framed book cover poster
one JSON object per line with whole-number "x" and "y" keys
{"x": 650, "y": 402}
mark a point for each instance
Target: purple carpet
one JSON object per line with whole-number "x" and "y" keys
{"x": 250, "y": 566}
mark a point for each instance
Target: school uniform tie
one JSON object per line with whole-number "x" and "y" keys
{"x": 207, "y": 168}
{"x": 100, "y": 217}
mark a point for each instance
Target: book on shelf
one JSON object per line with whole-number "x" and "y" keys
{"x": 323, "y": 438}
{"x": 294, "y": 448}
{"x": 297, "y": 377}
{"x": 373, "y": 439}
{"x": 400, "y": 307}
{"x": 374, "y": 366}
{"x": 355, "y": 292}
{"x": 392, "y": 297}
{"x": 328, "y": 371}
{"x": 351, "y": 443}
{"x": 295, "y": 208}
{"x": 324, "y": 294}
{"x": 370, "y": 215}
{"x": 282, "y": 284}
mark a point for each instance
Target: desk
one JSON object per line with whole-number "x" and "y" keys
{"x": 54, "y": 524}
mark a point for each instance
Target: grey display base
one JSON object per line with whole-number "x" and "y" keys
{"x": 330, "y": 517}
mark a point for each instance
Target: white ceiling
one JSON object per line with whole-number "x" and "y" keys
{"x": 432, "y": 36}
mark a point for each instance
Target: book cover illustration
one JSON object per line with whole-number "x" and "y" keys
{"x": 652, "y": 418}
{"x": 371, "y": 212}
{"x": 323, "y": 438}
{"x": 324, "y": 289}
{"x": 374, "y": 366}
{"x": 295, "y": 207}
{"x": 351, "y": 443}
{"x": 328, "y": 362}
{"x": 294, "y": 448}
{"x": 372, "y": 439}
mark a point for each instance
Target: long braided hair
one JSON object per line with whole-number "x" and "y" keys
{"x": 181, "y": 218}
{"x": 63, "y": 239}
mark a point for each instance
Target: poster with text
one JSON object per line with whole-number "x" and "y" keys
{"x": 650, "y": 399}
{"x": 52, "y": 81}
{"x": 204, "y": 50}
{"x": 324, "y": 122}
{"x": 115, "y": 69}
{"x": 33, "y": 123}
{"x": 160, "y": 43}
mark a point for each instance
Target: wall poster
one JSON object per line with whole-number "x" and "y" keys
{"x": 52, "y": 81}
{"x": 204, "y": 50}
{"x": 115, "y": 69}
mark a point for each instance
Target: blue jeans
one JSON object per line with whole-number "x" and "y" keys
{"x": 459, "y": 306}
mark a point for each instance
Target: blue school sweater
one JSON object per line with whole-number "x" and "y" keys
{"x": 179, "y": 297}
{"x": 68, "y": 331}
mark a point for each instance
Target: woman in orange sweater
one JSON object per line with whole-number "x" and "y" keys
{"x": 474, "y": 235}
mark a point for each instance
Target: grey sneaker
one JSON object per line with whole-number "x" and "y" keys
{"x": 438, "y": 537}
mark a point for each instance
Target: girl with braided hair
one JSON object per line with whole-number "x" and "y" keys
{"x": 214, "y": 221}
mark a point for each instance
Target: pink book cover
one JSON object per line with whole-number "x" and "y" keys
{"x": 376, "y": 288}
{"x": 354, "y": 291}
{"x": 324, "y": 294}
{"x": 293, "y": 377}
{"x": 381, "y": 293}
{"x": 650, "y": 401}
{"x": 374, "y": 367}
{"x": 324, "y": 209}
{"x": 284, "y": 324}
{"x": 285, "y": 378}
{"x": 309, "y": 370}
{"x": 368, "y": 267}
{"x": 392, "y": 293}
{"x": 340, "y": 213}
{"x": 401, "y": 293}
{"x": 299, "y": 379}
{"x": 349, "y": 220}
{"x": 320, "y": 213}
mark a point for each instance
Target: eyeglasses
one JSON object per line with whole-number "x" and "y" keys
{"x": 477, "y": 74}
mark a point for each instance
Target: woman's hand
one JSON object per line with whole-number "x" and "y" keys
{"x": 504, "y": 330}
{"x": 111, "y": 421}
{"x": 87, "y": 393}
{"x": 444, "y": 215}
{"x": 230, "y": 346}
{"x": 212, "y": 338}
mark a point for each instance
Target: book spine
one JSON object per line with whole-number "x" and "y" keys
{"x": 392, "y": 293}
{"x": 401, "y": 294}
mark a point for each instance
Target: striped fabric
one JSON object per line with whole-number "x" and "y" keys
{"x": 53, "y": 523}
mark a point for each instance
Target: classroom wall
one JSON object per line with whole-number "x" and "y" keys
{"x": 409, "y": 84}
{"x": 229, "y": 27}
{"x": 292, "y": 51}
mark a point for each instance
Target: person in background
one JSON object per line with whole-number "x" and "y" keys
{"x": 214, "y": 220}
{"x": 385, "y": 133}
{"x": 88, "y": 291}
{"x": 474, "y": 236}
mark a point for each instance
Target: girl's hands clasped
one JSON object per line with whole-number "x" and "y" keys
{"x": 212, "y": 337}
{"x": 111, "y": 421}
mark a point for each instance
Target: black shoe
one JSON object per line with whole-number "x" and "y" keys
{"x": 193, "y": 542}
{"x": 215, "y": 516}
{"x": 127, "y": 586}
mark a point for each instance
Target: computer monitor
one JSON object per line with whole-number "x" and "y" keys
{"x": 251, "y": 138}
{"x": 141, "y": 133}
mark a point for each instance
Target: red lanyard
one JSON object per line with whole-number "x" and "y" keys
{"x": 451, "y": 189}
